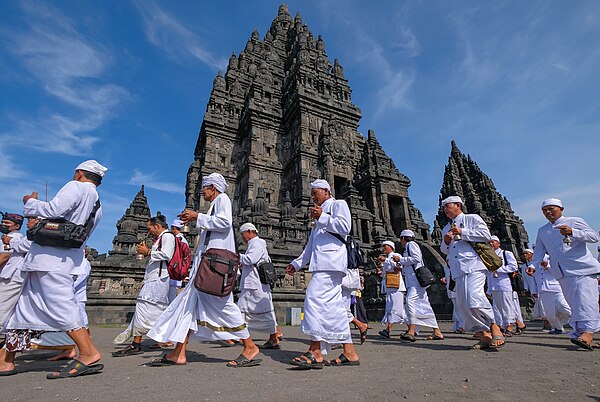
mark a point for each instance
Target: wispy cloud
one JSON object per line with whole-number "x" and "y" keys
{"x": 178, "y": 41}
{"x": 149, "y": 180}
{"x": 69, "y": 68}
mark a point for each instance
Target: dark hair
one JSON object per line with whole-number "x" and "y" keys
{"x": 159, "y": 220}
{"x": 407, "y": 238}
{"x": 95, "y": 178}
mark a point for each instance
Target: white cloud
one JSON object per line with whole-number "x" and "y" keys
{"x": 69, "y": 68}
{"x": 150, "y": 181}
{"x": 179, "y": 42}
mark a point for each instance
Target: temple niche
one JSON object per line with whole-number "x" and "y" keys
{"x": 282, "y": 116}
{"x": 463, "y": 177}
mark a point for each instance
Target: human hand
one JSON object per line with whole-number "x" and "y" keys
{"x": 448, "y": 238}
{"x": 188, "y": 215}
{"x": 530, "y": 271}
{"x": 6, "y": 239}
{"x": 565, "y": 230}
{"x": 455, "y": 230}
{"x": 143, "y": 249}
{"x": 315, "y": 212}
{"x": 290, "y": 270}
{"x": 443, "y": 280}
{"x": 396, "y": 258}
{"x": 33, "y": 195}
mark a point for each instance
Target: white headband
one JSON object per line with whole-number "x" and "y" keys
{"x": 320, "y": 183}
{"x": 552, "y": 201}
{"x": 93, "y": 167}
{"x": 217, "y": 180}
{"x": 452, "y": 199}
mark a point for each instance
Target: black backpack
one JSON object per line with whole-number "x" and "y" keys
{"x": 355, "y": 257}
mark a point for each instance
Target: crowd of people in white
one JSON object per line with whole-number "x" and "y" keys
{"x": 43, "y": 285}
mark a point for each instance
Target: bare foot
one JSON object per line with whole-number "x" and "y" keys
{"x": 66, "y": 354}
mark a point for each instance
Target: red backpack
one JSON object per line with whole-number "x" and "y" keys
{"x": 180, "y": 263}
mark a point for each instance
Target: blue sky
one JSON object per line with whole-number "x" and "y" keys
{"x": 516, "y": 84}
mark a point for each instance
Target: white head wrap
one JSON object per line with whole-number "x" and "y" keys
{"x": 93, "y": 167}
{"x": 247, "y": 226}
{"x": 178, "y": 223}
{"x": 407, "y": 233}
{"x": 495, "y": 238}
{"x": 388, "y": 243}
{"x": 320, "y": 183}
{"x": 552, "y": 201}
{"x": 451, "y": 199}
{"x": 528, "y": 250}
{"x": 217, "y": 180}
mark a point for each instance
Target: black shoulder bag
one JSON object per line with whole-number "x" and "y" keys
{"x": 266, "y": 273}
{"x": 424, "y": 275}
{"x": 61, "y": 233}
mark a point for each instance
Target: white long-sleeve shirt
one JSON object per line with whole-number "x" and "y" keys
{"x": 219, "y": 222}
{"x": 502, "y": 282}
{"x": 256, "y": 252}
{"x": 411, "y": 259}
{"x": 160, "y": 255}
{"x": 74, "y": 202}
{"x": 389, "y": 265}
{"x": 567, "y": 260}
{"x": 12, "y": 268}
{"x": 462, "y": 258}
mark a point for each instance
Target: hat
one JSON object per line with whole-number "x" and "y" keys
{"x": 407, "y": 233}
{"x": 320, "y": 183}
{"x": 178, "y": 223}
{"x": 247, "y": 226}
{"x": 452, "y": 199}
{"x": 388, "y": 243}
{"x": 217, "y": 180}
{"x": 552, "y": 201}
{"x": 16, "y": 218}
{"x": 528, "y": 250}
{"x": 495, "y": 238}
{"x": 93, "y": 167}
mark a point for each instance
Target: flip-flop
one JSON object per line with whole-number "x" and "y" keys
{"x": 434, "y": 338}
{"x": 225, "y": 344}
{"x": 497, "y": 338}
{"x": 243, "y": 361}
{"x": 385, "y": 333}
{"x": 80, "y": 369}
{"x": 9, "y": 372}
{"x": 363, "y": 336}
{"x": 581, "y": 343}
{"x": 269, "y": 345}
{"x": 162, "y": 361}
{"x": 302, "y": 364}
{"x": 130, "y": 350}
{"x": 161, "y": 346}
{"x": 408, "y": 337}
{"x": 343, "y": 362}
{"x": 596, "y": 346}
{"x": 481, "y": 345}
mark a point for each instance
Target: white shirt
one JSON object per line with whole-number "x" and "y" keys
{"x": 12, "y": 268}
{"x": 74, "y": 202}
{"x": 502, "y": 282}
{"x": 218, "y": 220}
{"x": 411, "y": 259}
{"x": 324, "y": 251}
{"x": 256, "y": 252}
{"x": 546, "y": 280}
{"x": 389, "y": 265}
{"x": 567, "y": 260}
{"x": 160, "y": 256}
{"x": 462, "y": 259}
{"x": 529, "y": 282}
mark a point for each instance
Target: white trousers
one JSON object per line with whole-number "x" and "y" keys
{"x": 472, "y": 303}
{"x": 581, "y": 293}
{"x": 257, "y": 308}
{"x": 556, "y": 308}
{"x": 9, "y": 295}
{"x": 504, "y": 308}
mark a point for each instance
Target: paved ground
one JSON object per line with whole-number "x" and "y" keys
{"x": 535, "y": 366}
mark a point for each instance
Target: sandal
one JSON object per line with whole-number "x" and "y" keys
{"x": 269, "y": 345}
{"x": 408, "y": 337}
{"x": 311, "y": 364}
{"x": 363, "y": 336}
{"x": 80, "y": 369}
{"x": 582, "y": 344}
{"x": 161, "y": 346}
{"x": 385, "y": 333}
{"x": 243, "y": 361}
{"x": 343, "y": 362}
{"x": 497, "y": 338}
{"x": 8, "y": 372}
{"x": 130, "y": 350}
{"x": 434, "y": 338}
{"x": 163, "y": 361}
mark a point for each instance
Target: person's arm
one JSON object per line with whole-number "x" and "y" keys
{"x": 218, "y": 221}
{"x": 166, "y": 250}
{"x": 509, "y": 264}
{"x": 63, "y": 202}
{"x": 538, "y": 254}
{"x": 20, "y": 245}
{"x": 3, "y": 258}
{"x": 414, "y": 257}
{"x": 582, "y": 231}
{"x": 252, "y": 256}
{"x": 339, "y": 221}
{"x": 479, "y": 232}
{"x": 304, "y": 258}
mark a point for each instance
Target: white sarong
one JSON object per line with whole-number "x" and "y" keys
{"x": 325, "y": 315}
{"x": 581, "y": 293}
{"x": 257, "y": 308}
{"x": 474, "y": 307}
{"x": 538, "y": 309}
{"x": 47, "y": 303}
{"x": 418, "y": 308}
{"x": 394, "y": 307}
{"x": 504, "y": 308}
{"x": 347, "y": 297}
{"x": 9, "y": 295}
{"x": 517, "y": 306}
{"x": 556, "y": 308}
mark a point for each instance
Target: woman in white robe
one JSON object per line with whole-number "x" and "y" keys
{"x": 418, "y": 309}
{"x": 202, "y": 315}
{"x": 394, "y": 296}
{"x": 153, "y": 298}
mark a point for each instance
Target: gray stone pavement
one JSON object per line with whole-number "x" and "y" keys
{"x": 534, "y": 366}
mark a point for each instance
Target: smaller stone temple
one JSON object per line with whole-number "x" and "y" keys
{"x": 463, "y": 177}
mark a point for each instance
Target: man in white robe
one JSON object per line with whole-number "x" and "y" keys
{"x": 154, "y": 295}
{"x": 255, "y": 300}
{"x": 556, "y": 309}
{"x": 394, "y": 295}
{"x": 11, "y": 279}
{"x": 469, "y": 272}
{"x": 500, "y": 288}
{"x": 418, "y": 309}
{"x": 206, "y": 316}
{"x": 48, "y": 301}
{"x": 565, "y": 240}
{"x": 325, "y": 317}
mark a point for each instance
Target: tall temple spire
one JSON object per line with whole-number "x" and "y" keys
{"x": 463, "y": 177}
{"x": 131, "y": 228}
